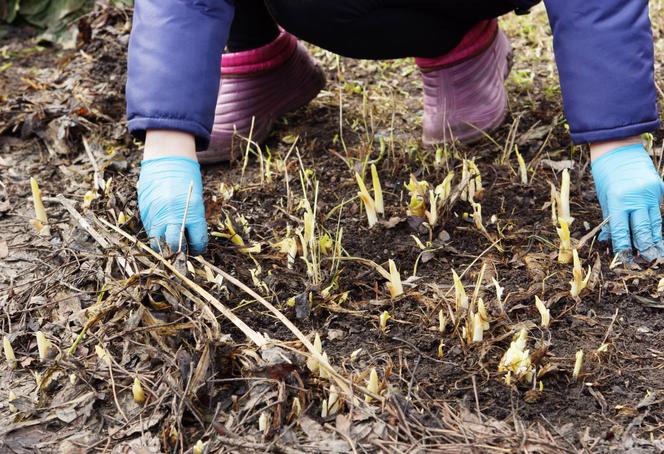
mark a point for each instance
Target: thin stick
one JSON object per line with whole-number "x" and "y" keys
{"x": 254, "y": 336}
{"x": 289, "y": 199}
{"x": 582, "y": 242}
{"x": 115, "y": 395}
{"x": 184, "y": 218}
{"x": 247, "y": 149}
{"x": 99, "y": 183}
{"x": 341, "y": 111}
{"x": 608, "y": 330}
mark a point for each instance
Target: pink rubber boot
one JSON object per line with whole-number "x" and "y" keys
{"x": 260, "y": 84}
{"x": 464, "y": 91}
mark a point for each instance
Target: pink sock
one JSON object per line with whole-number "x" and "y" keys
{"x": 266, "y": 57}
{"x": 477, "y": 40}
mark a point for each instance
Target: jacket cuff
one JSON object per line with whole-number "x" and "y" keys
{"x": 139, "y": 125}
{"x": 617, "y": 133}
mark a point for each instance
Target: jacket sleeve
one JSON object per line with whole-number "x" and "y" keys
{"x": 604, "y": 52}
{"x": 173, "y": 69}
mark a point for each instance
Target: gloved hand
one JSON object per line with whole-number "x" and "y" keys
{"x": 162, "y": 196}
{"x": 630, "y": 192}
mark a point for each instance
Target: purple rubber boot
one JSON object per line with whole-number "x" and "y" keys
{"x": 464, "y": 91}
{"x": 260, "y": 84}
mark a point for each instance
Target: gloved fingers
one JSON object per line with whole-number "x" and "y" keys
{"x": 197, "y": 235}
{"x": 172, "y": 237}
{"x": 155, "y": 235}
{"x": 619, "y": 223}
{"x": 641, "y": 229}
{"x": 605, "y": 233}
{"x": 656, "y": 223}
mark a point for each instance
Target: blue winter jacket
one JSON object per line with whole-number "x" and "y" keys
{"x": 604, "y": 52}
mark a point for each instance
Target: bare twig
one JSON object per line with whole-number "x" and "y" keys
{"x": 98, "y": 180}
{"x": 184, "y": 218}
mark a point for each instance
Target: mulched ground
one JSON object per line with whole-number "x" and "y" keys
{"x": 114, "y": 313}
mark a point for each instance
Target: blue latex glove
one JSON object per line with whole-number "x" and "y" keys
{"x": 630, "y": 193}
{"x": 162, "y": 197}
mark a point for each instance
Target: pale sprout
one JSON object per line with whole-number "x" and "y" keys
{"x": 499, "y": 292}
{"x": 477, "y": 323}
{"x": 437, "y": 198}
{"x": 560, "y": 200}
{"x": 40, "y": 221}
{"x": 384, "y": 317}
{"x": 10, "y": 398}
{"x": 288, "y": 246}
{"x": 368, "y": 201}
{"x": 471, "y": 172}
{"x": 565, "y": 250}
{"x": 432, "y": 213}
{"x": 579, "y": 282}
{"x": 444, "y": 189}
{"x": 137, "y": 391}
{"x": 394, "y": 285}
{"x": 88, "y": 198}
{"x": 419, "y": 243}
{"x": 563, "y": 205}
{"x": 516, "y": 360}
{"x": 477, "y": 329}
{"x": 660, "y": 285}
{"x": 264, "y": 421}
{"x": 102, "y": 354}
{"x": 235, "y": 237}
{"x": 477, "y": 217}
{"x": 442, "y": 321}
{"x": 209, "y": 275}
{"x": 226, "y": 192}
{"x": 322, "y": 371}
{"x": 484, "y": 315}
{"x": 544, "y": 312}
{"x": 578, "y": 365}
{"x": 378, "y": 190}
{"x": 418, "y": 191}
{"x": 296, "y": 408}
{"x": 43, "y": 345}
{"x": 309, "y": 225}
{"x": 199, "y": 447}
{"x": 9, "y": 352}
{"x": 333, "y": 401}
{"x": 312, "y": 362}
{"x": 372, "y": 384}
{"x": 326, "y": 244}
{"x": 523, "y": 169}
{"x": 255, "y": 274}
{"x": 554, "y": 205}
{"x": 460, "y": 297}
